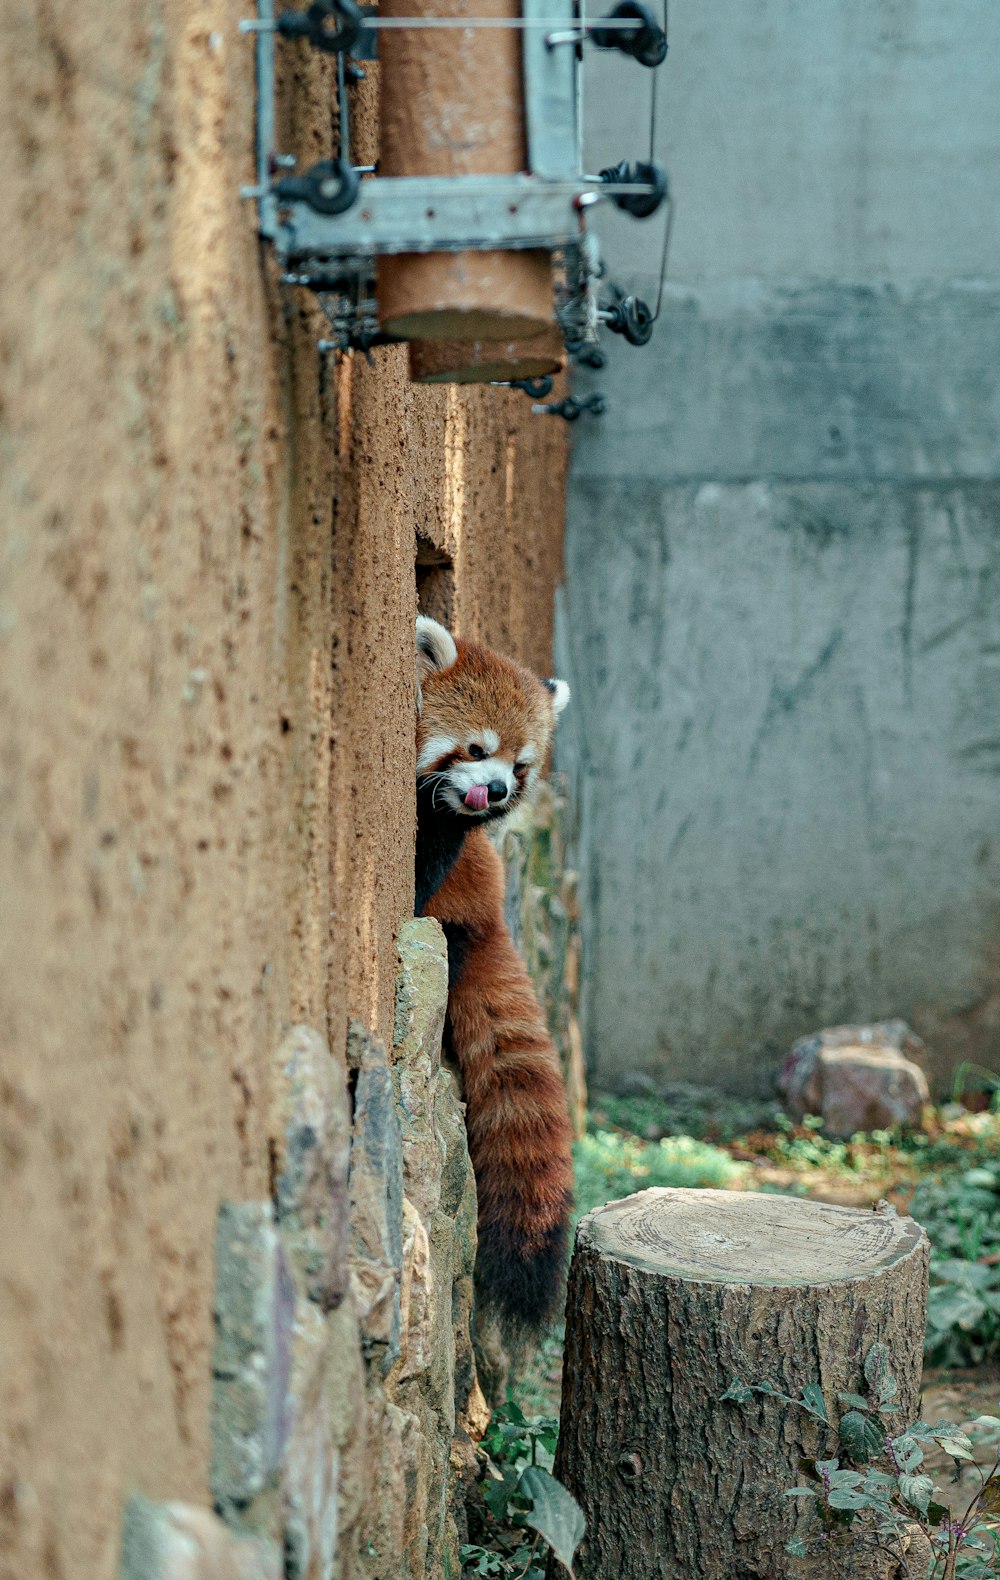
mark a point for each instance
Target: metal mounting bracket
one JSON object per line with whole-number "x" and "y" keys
{"x": 329, "y": 224}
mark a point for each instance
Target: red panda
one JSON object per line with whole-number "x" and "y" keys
{"x": 483, "y": 730}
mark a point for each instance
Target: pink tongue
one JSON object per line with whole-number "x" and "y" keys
{"x": 478, "y": 798}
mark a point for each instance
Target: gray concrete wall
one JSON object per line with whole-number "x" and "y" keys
{"x": 781, "y": 617}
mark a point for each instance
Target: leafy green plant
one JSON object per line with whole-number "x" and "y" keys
{"x": 873, "y": 1480}
{"x": 962, "y": 1217}
{"x": 685, "y": 1109}
{"x": 803, "y": 1147}
{"x": 521, "y": 1495}
{"x": 609, "y": 1165}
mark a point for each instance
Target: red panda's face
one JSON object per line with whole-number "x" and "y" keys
{"x": 483, "y": 727}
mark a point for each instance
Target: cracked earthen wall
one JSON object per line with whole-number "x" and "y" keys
{"x": 206, "y": 813}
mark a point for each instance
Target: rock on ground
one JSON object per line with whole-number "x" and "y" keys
{"x": 857, "y": 1078}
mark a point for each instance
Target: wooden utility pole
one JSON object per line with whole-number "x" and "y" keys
{"x": 452, "y": 104}
{"x": 673, "y": 1294}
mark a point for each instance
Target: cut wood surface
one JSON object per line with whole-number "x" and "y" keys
{"x": 672, "y": 1295}
{"x": 481, "y": 361}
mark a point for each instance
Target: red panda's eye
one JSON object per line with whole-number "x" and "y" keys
{"x": 476, "y": 753}
{"x": 520, "y": 768}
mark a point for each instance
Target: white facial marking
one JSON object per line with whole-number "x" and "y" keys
{"x": 491, "y": 742}
{"x": 463, "y": 776}
{"x": 435, "y": 747}
{"x": 527, "y": 754}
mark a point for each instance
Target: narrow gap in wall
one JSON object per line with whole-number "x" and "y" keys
{"x": 435, "y": 581}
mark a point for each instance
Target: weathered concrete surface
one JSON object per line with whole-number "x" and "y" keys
{"x": 850, "y": 141}
{"x": 780, "y": 617}
{"x": 788, "y": 699}
{"x": 840, "y": 381}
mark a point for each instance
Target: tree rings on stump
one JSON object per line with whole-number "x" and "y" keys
{"x": 673, "y": 1295}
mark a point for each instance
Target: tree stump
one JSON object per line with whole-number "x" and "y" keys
{"x": 672, "y": 1295}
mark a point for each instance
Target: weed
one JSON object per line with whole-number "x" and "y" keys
{"x": 961, "y": 1214}
{"x": 684, "y": 1109}
{"x": 872, "y": 1481}
{"x": 520, "y": 1494}
{"x": 609, "y": 1165}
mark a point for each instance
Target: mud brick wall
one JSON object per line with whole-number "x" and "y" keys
{"x": 213, "y": 541}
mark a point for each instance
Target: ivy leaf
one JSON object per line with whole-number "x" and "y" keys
{"x": 845, "y": 1478}
{"x": 917, "y": 1491}
{"x": 878, "y": 1494}
{"x": 738, "y": 1392}
{"x": 908, "y": 1452}
{"x": 854, "y": 1401}
{"x": 846, "y": 1498}
{"x": 554, "y": 1514}
{"x": 950, "y": 1307}
{"x": 989, "y": 1498}
{"x": 956, "y": 1444}
{"x": 498, "y": 1493}
{"x": 921, "y": 1432}
{"x": 861, "y": 1435}
{"x": 826, "y": 1467}
{"x": 877, "y": 1372}
{"x": 796, "y": 1548}
{"x": 512, "y": 1410}
{"x": 772, "y": 1392}
{"x": 812, "y": 1398}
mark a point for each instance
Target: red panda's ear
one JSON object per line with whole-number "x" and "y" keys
{"x": 559, "y": 692}
{"x": 435, "y": 648}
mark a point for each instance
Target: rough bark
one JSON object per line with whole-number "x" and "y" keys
{"x": 672, "y": 1295}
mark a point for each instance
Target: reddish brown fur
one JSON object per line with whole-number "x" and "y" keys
{"x": 516, "y": 1110}
{"x": 482, "y": 688}
{"x": 519, "y": 1131}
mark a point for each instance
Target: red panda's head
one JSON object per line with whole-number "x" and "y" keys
{"x": 483, "y": 725}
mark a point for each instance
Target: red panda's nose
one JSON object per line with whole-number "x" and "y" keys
{"x": 497, "y": 790}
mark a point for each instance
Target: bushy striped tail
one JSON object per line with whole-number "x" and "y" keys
{"x": 519, "y": 1133}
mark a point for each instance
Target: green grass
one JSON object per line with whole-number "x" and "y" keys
{"x": 610, "y": 1165}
